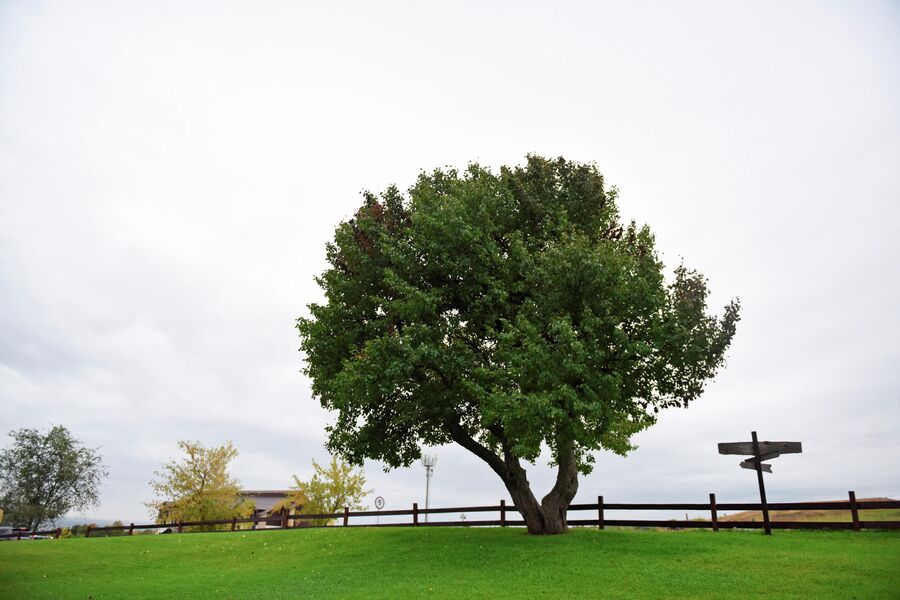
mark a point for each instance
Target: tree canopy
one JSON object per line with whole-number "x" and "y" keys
{"x": 45, "y": 475}
{"x": 198, "y": 487}
{"x": 505, "y": 312}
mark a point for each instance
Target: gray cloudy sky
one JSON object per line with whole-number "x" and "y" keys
{"x": 171, "y": 171}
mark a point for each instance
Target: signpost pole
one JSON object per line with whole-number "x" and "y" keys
{"x": 762, "y": 485}
{"x": 379, "y": 504}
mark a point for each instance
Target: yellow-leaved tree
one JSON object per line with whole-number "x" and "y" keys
{"x": 199, "y": 488}
{"x": 329, "y": 490}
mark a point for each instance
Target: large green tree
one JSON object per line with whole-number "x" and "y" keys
{"x": 45, "y": 475}
{"x": 505, "y": 312}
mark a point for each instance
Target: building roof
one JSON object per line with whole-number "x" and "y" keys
{"x": 269, "y": 493}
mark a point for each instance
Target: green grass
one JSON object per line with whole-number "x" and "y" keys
{"x": 457, "y": 563}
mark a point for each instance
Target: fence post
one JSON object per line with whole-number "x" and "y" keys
{"x": 346, "y": 516}
{"x": 713, "y": 511}
{"x": 415, "y": 513}
{"x": 233, "y": 523}
{"x": 600, "y": 524}
{"x": 131, "y": 529}
{"x": 57, "y": 533}
{"x": 284, "y": 519}
{"x": 503, "y": 513}
{"x": 854, "y": 512}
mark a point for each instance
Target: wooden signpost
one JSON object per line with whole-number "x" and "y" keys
{"x": 760, "y": 451}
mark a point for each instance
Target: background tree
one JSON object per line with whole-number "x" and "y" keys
{"x": 199, "y": 487}
{"x": 44, "y": 476}
{"x": 116, "y": 532}
{"x": 329, "y": 490}
{"x": 76, "y": 530}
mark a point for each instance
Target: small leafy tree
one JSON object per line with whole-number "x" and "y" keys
{"x": 199, "y": 487}
{"x": 76, "y": 530}
{"x": 329, "y": 490}
{"x": 45, "y": 475}
{"x": 507, "y": 313}
{"x": 116, "y": 532}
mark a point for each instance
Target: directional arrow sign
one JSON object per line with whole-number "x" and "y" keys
{"x": 760, "y": 451}
{"x": 751, "y": 464}
{"x": 768, "y": 456}
{"x": 746, "y": 448}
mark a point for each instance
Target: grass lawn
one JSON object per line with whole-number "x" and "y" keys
{"x": 457, "y": 563}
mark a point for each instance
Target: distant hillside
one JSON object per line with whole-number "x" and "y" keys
{"x": 69, "y": 522}
{"x": 889, "y": 514}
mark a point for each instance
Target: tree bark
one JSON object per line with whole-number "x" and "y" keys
{"x": 546, "y": 517}
{"x": 555, "y": 505}
{"x": 516, "y": 481}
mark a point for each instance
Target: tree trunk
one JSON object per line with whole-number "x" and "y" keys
{"x": 555, "y": 505}
{"x": 520, "y": 491}
{"x": 547, "y": 517}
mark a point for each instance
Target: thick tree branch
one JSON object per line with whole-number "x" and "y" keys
{"x": 459, "y": 435}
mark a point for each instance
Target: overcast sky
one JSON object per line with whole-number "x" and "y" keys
{"x": 171, "y": 171}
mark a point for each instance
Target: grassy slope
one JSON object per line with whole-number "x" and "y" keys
{"x": 888, "y": 514}
{"x": 452, "y": 563}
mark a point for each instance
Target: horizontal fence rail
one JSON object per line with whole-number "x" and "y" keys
{"x": 18, "y": 535}
{"x": 286, "y": 520}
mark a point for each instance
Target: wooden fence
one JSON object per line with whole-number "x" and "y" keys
{"x": 600, "y": 508}
{"x": 18, "y": 535}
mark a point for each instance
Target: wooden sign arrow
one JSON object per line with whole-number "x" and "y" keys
{"x": 768, "y": 456}
{"x": 746, "y": 448}
{"x": 751, "y": 464}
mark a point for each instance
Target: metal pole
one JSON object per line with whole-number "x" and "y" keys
{"x": 428, "y": 461}
{"x": 427, "y": 488}
{"x": 762, "y": 485}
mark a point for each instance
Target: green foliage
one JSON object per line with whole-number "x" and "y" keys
{"x": 199, "y": 488}
{"x": 116, "y": 532}
{"x": 329, "y": 490}
{"x": 514, "y": 309}
{"x": 77, "y": 530}
{"x": 446, "y": 563}
{"x": 45, "y": 475}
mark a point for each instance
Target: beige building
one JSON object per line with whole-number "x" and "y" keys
{"x": 268, "y": 504}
